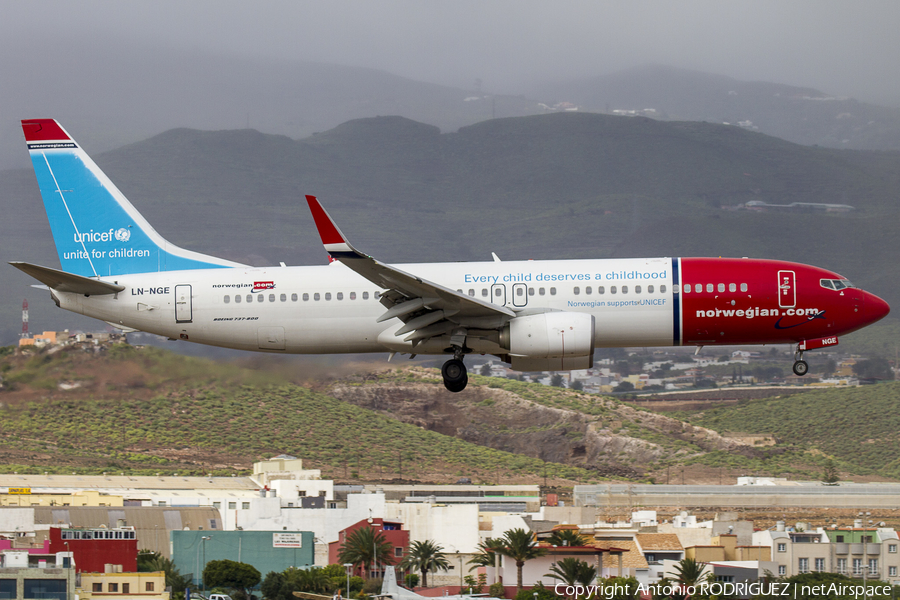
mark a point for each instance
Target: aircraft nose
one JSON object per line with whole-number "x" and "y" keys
{"x": 874, "y": 308}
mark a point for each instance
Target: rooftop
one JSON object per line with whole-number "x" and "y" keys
{"x": 121, "y": 483}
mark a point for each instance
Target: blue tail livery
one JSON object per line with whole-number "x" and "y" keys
{"x": 96, "y": 229}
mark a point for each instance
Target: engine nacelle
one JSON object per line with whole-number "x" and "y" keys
{"x": 553, "y": 341}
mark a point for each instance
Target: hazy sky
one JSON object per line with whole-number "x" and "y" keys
{"x": 840, "y": 47}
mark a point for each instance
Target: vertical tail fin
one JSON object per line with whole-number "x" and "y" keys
{"x": 96, "y": 229}
{"x": 389, "y": 584}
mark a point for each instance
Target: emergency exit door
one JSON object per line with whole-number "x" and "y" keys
{"x": 787, "y": 289}
{"x": 183, "y": 307}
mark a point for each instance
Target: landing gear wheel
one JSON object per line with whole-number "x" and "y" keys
{"x": 457, "y": 387}
{"x": 455, "y": 376}
{"x": 801, "y": 368}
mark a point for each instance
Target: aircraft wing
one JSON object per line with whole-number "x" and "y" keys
{"x": 426, "y": 308}
{"x": 68, "y": 282}
{"x": 309, "y": 596}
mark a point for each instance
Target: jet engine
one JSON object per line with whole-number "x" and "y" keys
{"x": 552, "y": 341}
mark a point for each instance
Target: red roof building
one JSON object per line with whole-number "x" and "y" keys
{"x": 393, "y": 532}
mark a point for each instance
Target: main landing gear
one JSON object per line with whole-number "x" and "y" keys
{"x": 454, "y": 371}
{"x": 801, "y": 368}
{"x": 455, "y": 376}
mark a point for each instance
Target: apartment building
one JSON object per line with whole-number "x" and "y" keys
{"x": 851, "y": 551}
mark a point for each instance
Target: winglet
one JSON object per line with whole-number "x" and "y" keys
{"x": 335, "y": 242}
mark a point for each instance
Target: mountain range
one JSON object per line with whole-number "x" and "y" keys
{"x": 109, "y": 99}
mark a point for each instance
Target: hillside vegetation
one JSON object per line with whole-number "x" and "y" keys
{"x": 858, "y": 428}
{"x": 147, "y": 410}
{"x": 144, "y": 411}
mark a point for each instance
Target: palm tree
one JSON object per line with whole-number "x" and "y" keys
{"x": 572, "y": 571}
{"x": 423, "y": 557}
{"x": 313, "y": 580}
{"x": 519, "y": 545}
{"x": 364, "y": 547}
{"x": 486, "y": 552}
{"x": 567, "y": 537}
{"x": 149, "y": 562}
{"x": 689, "y": 572}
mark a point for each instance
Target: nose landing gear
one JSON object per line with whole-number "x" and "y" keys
{"x": 455, "y": 376}
{"x": 800, "y": 368}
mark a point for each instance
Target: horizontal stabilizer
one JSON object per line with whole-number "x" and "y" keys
{"x": 68, "y": 282}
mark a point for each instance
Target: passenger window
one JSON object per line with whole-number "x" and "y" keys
{"x": 305, "y": 297}
{"x": 227, "y": 299}
{"x": 353, "y": 295}
{"x": 237, "y": 299}
{"x": 340, "y": 295}
{"x": 721, "y": 287}
{"x": 612, "y": 289}
{"x": 472, "y": 293}
{"x": 249, "y": 297}
{"x": 576, "y": 290}
{"x": 317, "y": 297}
{"x": 624, "y": 289}
{"x": 283, "y": 298}
{"x": 271, "y": 297}
{"x": 498, "y": 292}
{"x": 519, "y": 292}
{"x": 484, "y": 293}
{"x": 732, "y": 287}
{"x": 601, "y": 290}
{"x": 662, "y": 289}
{"x": 588, "y": 290}
{"x": 650, "y": 288}
{"x": 365, "y": 295}
{"x": 328, "y": 295}
{"x": 541, "y": 291}
{"x": 698, "y": 288}
{"x": 637, "y": 289}
{"x": 531, "y": 291}
{"x": 377, "y": 295}
{"x": 743, "y": 287}
{"x": 709, "y": 288}
{"x": 553, "y": 291}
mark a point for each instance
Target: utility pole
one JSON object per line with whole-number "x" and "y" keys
{"x": 203, "y": 564}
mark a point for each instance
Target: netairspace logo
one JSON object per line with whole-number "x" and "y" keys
{"x": 719, "y": 589}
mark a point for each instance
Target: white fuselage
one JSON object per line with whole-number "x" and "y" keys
{"x": 331, "y": 309}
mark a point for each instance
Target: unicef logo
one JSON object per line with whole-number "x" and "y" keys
{"x": 123, "y": 235}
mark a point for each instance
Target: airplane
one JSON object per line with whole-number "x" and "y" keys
{"x": 390, "y": 589}
{"x": 540, "y": 315}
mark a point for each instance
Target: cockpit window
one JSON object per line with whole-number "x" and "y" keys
{"x": 835, "y": 284}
